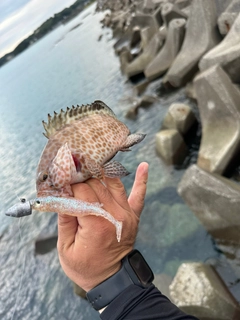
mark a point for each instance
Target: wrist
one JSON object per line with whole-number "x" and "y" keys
{"x": 134, "y": 271}
{"x": 97, "y": 280}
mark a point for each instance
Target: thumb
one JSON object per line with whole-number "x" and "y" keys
{"x": 67, "y": 229}
{"x": 137, "y": 195}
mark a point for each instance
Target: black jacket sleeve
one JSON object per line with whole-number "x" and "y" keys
{"x": 136, "y": 303}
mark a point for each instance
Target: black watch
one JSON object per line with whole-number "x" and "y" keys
{"x": 134, "y": 270}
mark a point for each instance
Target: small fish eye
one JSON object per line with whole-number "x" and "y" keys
{"x": 38, "y": 202}
{"x": 45, "y": 176}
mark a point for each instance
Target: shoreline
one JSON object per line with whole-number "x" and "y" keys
{"x": 46, "y": 27}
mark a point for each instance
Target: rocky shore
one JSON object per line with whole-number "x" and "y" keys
{"x": 192, "y": 43}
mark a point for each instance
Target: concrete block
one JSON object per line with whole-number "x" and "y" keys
{"x": 181, "y": 4}
{"x": 169, "y": 51}
{"x": 198, "y": 290}
{"x": 139, "y": 64}
{"x": 201, "y": 35}
{"x": 227, "y": 18}
{"x": 170, "y": 11}
{"x": 215, "y": 201}
{"x": 218, "y": 103}
{"x": 179, "y": 117}
{"x": 226, "y": 54}
{"x": 170, "y": 146}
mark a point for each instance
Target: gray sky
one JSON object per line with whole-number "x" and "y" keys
{"x": 19, "y": 18}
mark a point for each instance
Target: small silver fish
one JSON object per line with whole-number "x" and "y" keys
{"x": 73, "y": 207}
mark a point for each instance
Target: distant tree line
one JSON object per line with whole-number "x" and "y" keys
{"x": 50, "y": 24}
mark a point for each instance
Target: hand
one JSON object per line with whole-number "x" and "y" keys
{"x": 88, "y": 249}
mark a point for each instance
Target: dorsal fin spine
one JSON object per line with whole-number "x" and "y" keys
{"x": 60, "y": 120}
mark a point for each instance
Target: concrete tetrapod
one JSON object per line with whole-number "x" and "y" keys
{"x": 215, "y": 201}
{"x": 227, "y": 18}
{"x": 201, "y": 36}
{"x": 139, "y": 64}
{"x": 197, "y": 289}
{"x": 171, "y": 146}
{"x": 226, "y": 54}
{"x": 218, "y": 103}
{"x": 179, "y": 117}
{"x": 170, "y": 11}
{"x": 167, "y": 54}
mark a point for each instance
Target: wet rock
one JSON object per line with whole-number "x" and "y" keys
{"x": 79, "y": 291}
{"x": 132, "y": 112}
{"x": 198, "y": 290}
{"x": 45, "y": 244}
{"x": 144, "y": 102}
{"x": 227, "y": 18}
{"x": 162, "y": 281}
{"x": 179, "y": 117}
{"x": 141, "y": 87}
{"x": 170, "y": 11}
{"x": 171, "y": 146}
{"x": 227, "y": 53}
{"x": 218, "y": 103}
{"x": 215, "y": 201}
{"x": 139, "y": 64}
{"x": 168, "y": 53}
{"x": 201, "y": 36}
{"x": 106, "y": 21}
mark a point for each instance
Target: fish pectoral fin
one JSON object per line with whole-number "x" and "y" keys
{"x": 94, "y": 168}
{"x": 63, "y": 167}
{"x": 114, "y": 169}
{"x": 131, "y": 140}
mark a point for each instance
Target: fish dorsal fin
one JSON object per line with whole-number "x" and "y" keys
{"x": 60, "y": 120}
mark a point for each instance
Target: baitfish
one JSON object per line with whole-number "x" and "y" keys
{"x": 81, "y": 143}
{"x": 71, "y": 206}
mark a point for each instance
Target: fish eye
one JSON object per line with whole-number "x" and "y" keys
{"x": 38, "y": 202}
{"x": 43, "y": 176}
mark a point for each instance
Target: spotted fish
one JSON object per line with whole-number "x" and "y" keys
{"x": 81, "y": 144}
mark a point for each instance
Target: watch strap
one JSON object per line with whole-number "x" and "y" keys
{"x": 108, "y": 290}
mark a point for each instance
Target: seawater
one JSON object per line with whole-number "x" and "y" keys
{"x": 70, "y": 66}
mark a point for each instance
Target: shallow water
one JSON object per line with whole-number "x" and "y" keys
{"x": 68, "y": 67}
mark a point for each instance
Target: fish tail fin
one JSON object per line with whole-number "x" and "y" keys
{"x": 114, "y": 169}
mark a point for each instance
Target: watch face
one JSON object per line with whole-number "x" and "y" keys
{"x": 141, "y": 268}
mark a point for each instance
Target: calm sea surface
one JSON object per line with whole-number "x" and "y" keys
{"x": 68, "y": 67}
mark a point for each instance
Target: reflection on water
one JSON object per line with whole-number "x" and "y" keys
{"x": 48, "y": 77}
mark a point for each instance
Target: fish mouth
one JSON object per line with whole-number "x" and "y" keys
{"x": 22, "y": 209}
